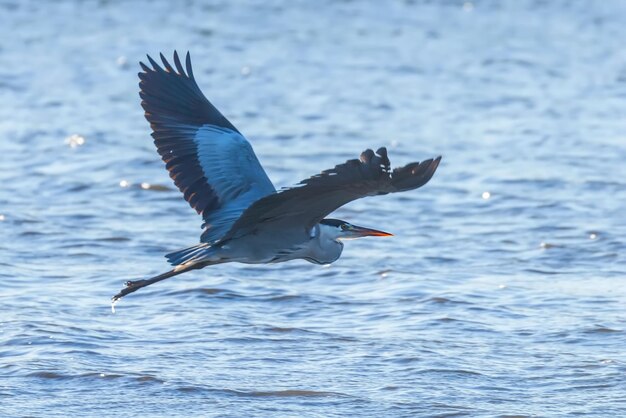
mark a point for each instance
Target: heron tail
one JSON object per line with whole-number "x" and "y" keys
{"x": 187, "y": 255}
{"x": 133, "y": 286}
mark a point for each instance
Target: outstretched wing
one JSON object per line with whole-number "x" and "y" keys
{"x": 208, "y": 159}
{"x": 314, "y": 198}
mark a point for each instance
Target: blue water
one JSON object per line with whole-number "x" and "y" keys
{"x": 503, "y": 292}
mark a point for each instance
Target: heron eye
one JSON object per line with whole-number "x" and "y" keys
{"x": 344, "y": 227}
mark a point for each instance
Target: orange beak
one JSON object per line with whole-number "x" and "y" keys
{"x": 367, "y": 232}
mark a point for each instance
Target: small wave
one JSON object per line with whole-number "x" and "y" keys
{"x": 148, "y": 379}
{"x": 290, "y": 393}
{"x": 284, "y": 298}
{"x": 78, "y": 188}
{"x": 204, "y": 291}
{"x": 543, "y": 272}
{"x": 49, "y": 375}
{"x": 600, "y": 329}
{"x": 113, "y": 239}
{"x": 442, "y": 260}
{"x": 190, "y": 389}
{"x": 451, "y": 371}
{"x": 61, "y": 376}
{"x": 94, "y": 375}
{"x": 444, "y": 300}
{"x": 286, "y": 330}
{"x": 109, "y": 376}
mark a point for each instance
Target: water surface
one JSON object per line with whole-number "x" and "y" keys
{"x": 502, "y": 293}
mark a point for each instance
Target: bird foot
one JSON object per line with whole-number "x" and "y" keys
{"x": 130, "y": 287}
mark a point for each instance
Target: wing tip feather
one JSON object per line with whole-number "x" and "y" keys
{"x": 188, "y": 65}
{"x": 155, "y": 67}
{"x": 178, "y": 64}
{"x": 166, "y": 64}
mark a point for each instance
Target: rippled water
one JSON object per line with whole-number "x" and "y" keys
{"x": 502, "y": 294}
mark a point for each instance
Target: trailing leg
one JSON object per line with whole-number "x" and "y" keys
{"x": 132, "y": 286}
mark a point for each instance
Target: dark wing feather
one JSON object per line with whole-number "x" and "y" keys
{"x": 173, "y": 96}
{"x": 316, "y": 197}
{"x": 209, "y": 160}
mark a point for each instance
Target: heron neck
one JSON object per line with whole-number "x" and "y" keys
{"x": 328, "y": 248}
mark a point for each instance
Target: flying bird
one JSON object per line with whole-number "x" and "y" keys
{"x": 246, "y": 219}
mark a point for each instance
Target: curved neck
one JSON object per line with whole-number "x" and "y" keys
{"x": 327, "y": 247}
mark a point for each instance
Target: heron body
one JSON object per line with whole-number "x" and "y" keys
{"x": 318, "y": 245}
{"x": 245, "y": 219}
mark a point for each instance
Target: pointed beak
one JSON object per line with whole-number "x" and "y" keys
{"x": 367, "y": 232}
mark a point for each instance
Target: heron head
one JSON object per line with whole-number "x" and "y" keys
{"x": 345, "y": 230}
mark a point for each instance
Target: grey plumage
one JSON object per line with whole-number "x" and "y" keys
{"x": 245, "y": 219}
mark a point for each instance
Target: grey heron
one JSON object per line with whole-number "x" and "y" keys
{"x": 246, "y": 219}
